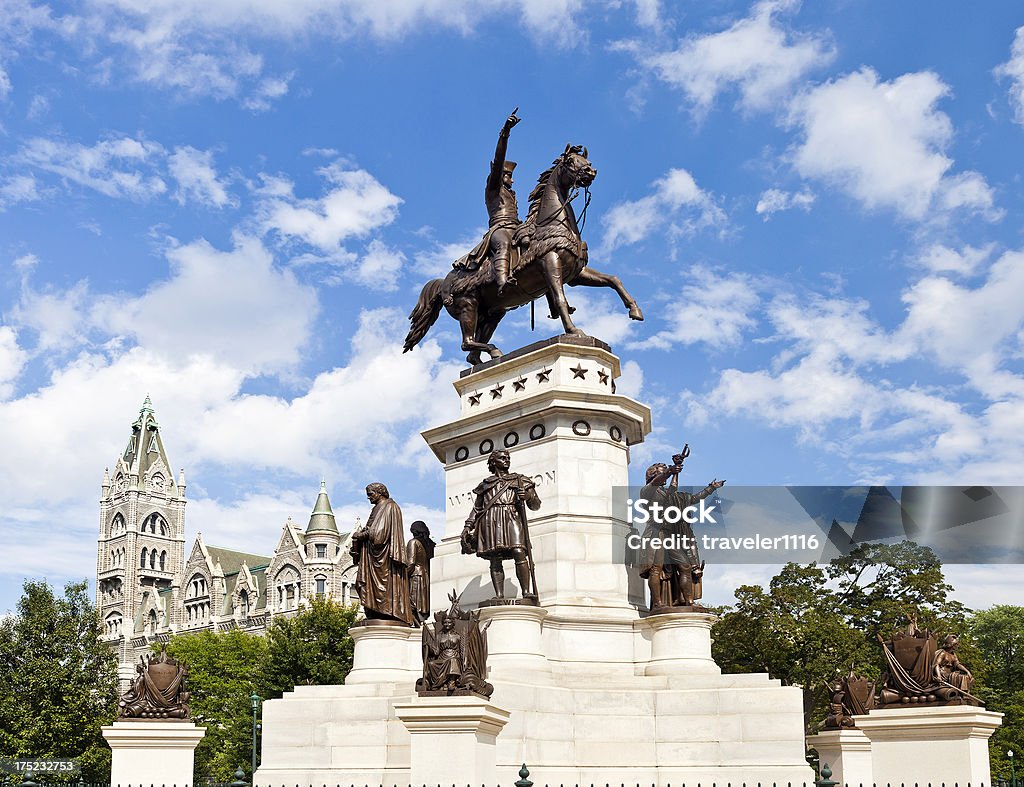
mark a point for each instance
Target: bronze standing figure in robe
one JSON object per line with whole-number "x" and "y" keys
{"x": 378, "y": 550}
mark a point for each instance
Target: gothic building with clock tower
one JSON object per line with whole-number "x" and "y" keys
{"x": 148, "y": 587}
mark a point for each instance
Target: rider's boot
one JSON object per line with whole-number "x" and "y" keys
{"x": 501, "y": 273}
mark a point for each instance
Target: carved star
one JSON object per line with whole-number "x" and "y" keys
{"x": 519, "y": 385}
{"x": 496, "y": 391}
{"x": 578, "y": 372}
{"x": 474, "y": 399}
{"x": 602, "y": 376}
{"x": 543, "y": 375}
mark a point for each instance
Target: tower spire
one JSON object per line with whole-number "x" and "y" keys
{"x": 322, "y": 518}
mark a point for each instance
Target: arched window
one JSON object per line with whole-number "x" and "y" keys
{"x": 321, "y": 586}
{"x": 152, "y": 559}
{"x": 243, "y": 604}
{"x": 163, "y": 560}
{"x": 151, "y": 622}
{"x": 142, "y": 561}
{"x": 117, "y": 524}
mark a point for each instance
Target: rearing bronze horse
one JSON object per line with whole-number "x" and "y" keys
{"x": 551, "y": 252}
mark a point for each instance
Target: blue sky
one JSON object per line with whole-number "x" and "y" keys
{"x": 232, "y": 207}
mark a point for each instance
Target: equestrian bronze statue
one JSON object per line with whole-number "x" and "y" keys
{"x": 516, "y": 263}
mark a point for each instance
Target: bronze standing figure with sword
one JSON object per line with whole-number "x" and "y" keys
{"x": 497, "y": 529}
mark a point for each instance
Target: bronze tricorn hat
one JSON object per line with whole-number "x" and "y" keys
{"x": 509, "y": 165}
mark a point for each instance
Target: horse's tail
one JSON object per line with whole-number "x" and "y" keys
{"x": 424, "y": 313}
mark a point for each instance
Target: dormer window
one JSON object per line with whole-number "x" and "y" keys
{"x": 321, "y": 550}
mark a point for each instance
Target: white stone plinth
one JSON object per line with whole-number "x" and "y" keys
{"x": 947, "y": 744}
{"x": 385, "y": 654}
{"x": 553, "y": 407}
{"x": 152, "y": 752}
{"x": 514, "y": 639}
{"x": 452, "y": 739}
{"x": 680, "y": 644}
{"x": 848, "y": 754}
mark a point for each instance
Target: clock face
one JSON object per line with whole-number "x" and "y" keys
{"x": 120, "y": 483}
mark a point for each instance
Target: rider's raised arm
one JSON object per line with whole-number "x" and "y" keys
{"x": 498, "y": 164}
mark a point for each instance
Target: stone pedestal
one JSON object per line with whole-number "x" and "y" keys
{"x": 947, "y": 744}
{"x": 848, "y": 754}
{"x": 593, "y": 689}
{"x": 681, "y": 644}
{"x": 385, "y": 654}
{"x": 553, "y": 406}
{"x": 152, "y": 751}
{"x": 514, "y": 640}
{"x": 452, "y": 739}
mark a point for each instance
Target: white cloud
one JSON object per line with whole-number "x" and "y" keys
{"x": 1013, "y": 69}
{"x": 198, "y": 48}
{"x": 355, "y": 205}
{"x": 354, "y": 416}
{"x": 712, "y": 308}
{"x": 599, "y": 313}
{"x": 774, "y": 200}
{"x": 676, "y": 201}
{"x": 825, "y": 382}
{"x": 379, "y": 267}
{"x": 57, "y": 317}
{"x": 756, "y": 56}
{"x": 116, "y": 167}
{"x": 5, "y": 85}
{"x": 437, "y": 260}
{"x": 38, "y": 107}
{"x": 234, "y": 306}
{"x": 197, "y": 178}
{"x": 19, "y": 188}
{"x": 942, "y": 259}
{"x": 884, "y": 143}
{"x": 12, "y": 360}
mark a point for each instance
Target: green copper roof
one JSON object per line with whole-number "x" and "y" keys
{"x": 322, "y": 518}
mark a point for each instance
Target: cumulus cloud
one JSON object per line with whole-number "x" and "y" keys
{"x": 938, "y": 258}
{"x": 824, "y": 381}
{"x": 884, "y": 144}
{"x": 380, "y": 267}
{"x": 1013, "y": 69}
{"x": 197, "y": 178}
{"x": 235, "y": 306}
{"x": 116, "y": 167}
{"x": 12, "y": 359}
{"x": 354, "y": 205}
{"x": 710, "y": 308}
{"x": 121, "y": 167}
{"x": 775, "y": 200}
{"x": 676, "y": 202}
{"x": 757, "y": 56}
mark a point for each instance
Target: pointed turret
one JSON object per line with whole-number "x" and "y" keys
{"x": 322, "y": 518}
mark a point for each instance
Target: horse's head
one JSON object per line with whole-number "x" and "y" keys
{"x": 576, "y": 166}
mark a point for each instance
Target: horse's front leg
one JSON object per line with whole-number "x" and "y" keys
{"x": 552, "y": 267}
{"x": 588, "y": 277}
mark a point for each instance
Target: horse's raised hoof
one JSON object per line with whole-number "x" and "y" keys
{"x": 635, "y": 313}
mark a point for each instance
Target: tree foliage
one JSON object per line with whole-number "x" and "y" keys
{"x": 59, "y": 682}
{"x": 998, "y": 635}
{"x": 226, "y": 668}
{"x": 813, "y": 623}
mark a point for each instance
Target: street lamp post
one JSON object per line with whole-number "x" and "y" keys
{"x": 255, "y": 700}
{"x": 1013, "y": 772}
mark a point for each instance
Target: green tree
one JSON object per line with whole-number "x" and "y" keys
{"x": 814, "y": 622}
{"x": 59, "y": 681}
{"x": 998, "y": 635}
{"x": 313, "y": 647}
{"x": 224, "y": 669}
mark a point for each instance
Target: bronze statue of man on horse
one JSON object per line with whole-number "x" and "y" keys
{"x": 517, "y": 262}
